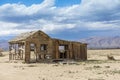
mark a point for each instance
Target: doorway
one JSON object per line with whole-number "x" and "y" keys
{"x": 63, "y": 51}
{"x": 32, "y": 52}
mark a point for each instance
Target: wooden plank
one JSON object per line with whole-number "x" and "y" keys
{"x": 85, "y": 46}
{"x": 27, "y": 52}
{"x": 38, "y": 51}
{"x": 81, "y": 50}
{"x": 70, "y": 50}
{"x": 57, "y": 50}
{"x": 78, "y": 53}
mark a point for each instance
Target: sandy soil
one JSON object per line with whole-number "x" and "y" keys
{"x": 96, "y": 68}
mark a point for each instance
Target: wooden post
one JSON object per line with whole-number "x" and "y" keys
{"x": 68, "y": 51}
{"x": 19, "y": 51}
{"x": 72, "y": 51}
{"x": 53, "y": 50}
{"x": 10, "y": 57}
{"x": 57, "y": 50}
{"x": 72, "y": 45}
{"x": 75, "y": 51}
{"x": 80, "y": 52}
{"x": 22, "y": 54}
{"x": 37, "y": 48}
{"x": 27, "y": 52}
{"x": 15, "y": 52}
{"x": 85, "y": 48}
{"x": 12, "y": 52}
{"x": 83, "y": 52}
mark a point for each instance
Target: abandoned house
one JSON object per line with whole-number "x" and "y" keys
{"x": 36, "y": 45}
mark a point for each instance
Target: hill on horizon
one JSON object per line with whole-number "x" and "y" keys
{"x": 93, "y": 42}
{"x": 102, "y": 42}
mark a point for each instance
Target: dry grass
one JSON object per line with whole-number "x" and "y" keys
{"x": 32, "y": 65}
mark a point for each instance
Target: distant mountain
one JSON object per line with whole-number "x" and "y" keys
{"x": 93, "y": 42}
{"x": 102, "y": 42}
{"x": 4, "y": 42}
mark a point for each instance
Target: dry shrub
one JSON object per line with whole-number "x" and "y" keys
{"x": 95, "y": 79}
{"x": 107, "y": 66}
{"x": 1, "y": 50}
{"x": 110, "y": 57}
{"x": 1, "y": 54}
{"x": 97, "y": 67}
{"x": 32, "y": 65}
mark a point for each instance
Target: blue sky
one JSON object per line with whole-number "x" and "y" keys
{"x": 26, "y": 2}
{"x": 66, "y": 19}
{"x": 58, "y": 3}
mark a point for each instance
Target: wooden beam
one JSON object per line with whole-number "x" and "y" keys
{"x": 57, "y": 49}
{"x": 38, "y": 52}
{"x": 85, "y": 46}
{"x": 27, "y": 52}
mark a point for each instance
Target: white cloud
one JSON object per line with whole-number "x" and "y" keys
{"x": 89, "y": 15}
{"x": 7, "y": 25}
{"x": 103, "y": 25}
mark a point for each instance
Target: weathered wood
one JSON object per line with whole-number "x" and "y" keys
{"x": 27, "y": 52}
{"x": 78, "y": 53}
{"x": 85, "y": 52}
{"x": 57, "y": 50}
{"x": 37, "y": 52}
{"x": 73, "y": 50}
{"x": 70, "y": 50}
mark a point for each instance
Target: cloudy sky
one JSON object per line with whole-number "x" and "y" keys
{"x": 66, "y": 19}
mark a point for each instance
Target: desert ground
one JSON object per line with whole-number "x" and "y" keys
{"x": 97, "y": 67}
